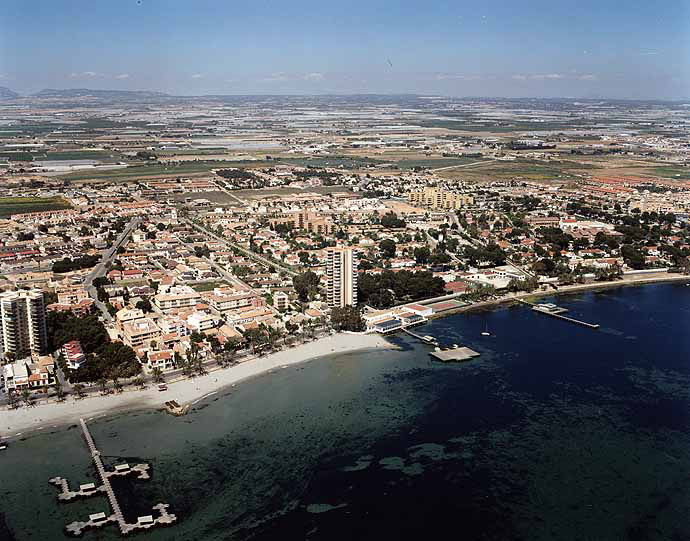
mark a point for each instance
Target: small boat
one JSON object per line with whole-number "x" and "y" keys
{"x": 486, "y": 332}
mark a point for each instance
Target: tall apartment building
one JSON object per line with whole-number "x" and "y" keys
{"x": 23, "y": 322}
{"x": 436, "y": 198}
{"x": 341, "y": 274}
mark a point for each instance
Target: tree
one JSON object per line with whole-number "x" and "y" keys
{"x": 117, "y": 385}
{"x": 12, "y": 398}
{"x": 139, "y": 381}
{"x": 144, "y": 305}
{"x": 347, "y": 318}
{"x": 103, "y": 383}
{"x": 26, "y": 397}
{"x": 387, "y": 247}
{"x": 391, "y": 220}
{"x": 79, "y": 389}
{"x": 306, "y": 284}
{"x": 633, "y": 257}
{"x": 157, "y": 375}
{"x": 59, "y": 391}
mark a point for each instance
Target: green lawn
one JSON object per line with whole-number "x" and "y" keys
{"x": 20, "y": 205}
{"x": 678, "y": 172}
{"x": 208, "y": 286}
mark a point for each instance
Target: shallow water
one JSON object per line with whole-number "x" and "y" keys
{"x": 556, "y": 432}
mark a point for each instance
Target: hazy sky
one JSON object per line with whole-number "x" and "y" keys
{"x": 583, "y": 48}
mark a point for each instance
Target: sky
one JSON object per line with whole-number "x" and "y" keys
{"x": 533, "y": 48}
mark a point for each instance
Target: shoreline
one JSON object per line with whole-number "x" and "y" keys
{"x": 23, "y": 421}
{"x": 575, "y": 288}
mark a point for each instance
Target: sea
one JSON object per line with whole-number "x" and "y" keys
{"x": 556, "y": 431}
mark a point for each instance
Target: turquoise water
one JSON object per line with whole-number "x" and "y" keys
{"x": 556, "y": 432}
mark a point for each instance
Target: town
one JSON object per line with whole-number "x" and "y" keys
{"x": 147, "y": 239}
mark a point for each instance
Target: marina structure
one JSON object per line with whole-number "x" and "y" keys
{"x": 116, "y": 515}
{"x": 553, "y": 310}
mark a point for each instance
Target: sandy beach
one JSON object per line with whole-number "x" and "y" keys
{"x": 15, "y": 423}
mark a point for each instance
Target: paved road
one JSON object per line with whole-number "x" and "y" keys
{"x": 100, "y": 269}
{"x": 248, "y": 253}
{"x": 463, "y": 165}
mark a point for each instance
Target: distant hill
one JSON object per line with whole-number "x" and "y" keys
{"x": 7, "y": 94}
{"x": 102, "y": 94}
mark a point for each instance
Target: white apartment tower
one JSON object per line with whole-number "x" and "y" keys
{"x": 341, "y": 274}
{"x": 23, "y": 322}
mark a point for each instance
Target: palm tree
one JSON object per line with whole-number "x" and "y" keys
{"x": 59, "y": 391}
{"x": 199, "y": 366}
{"x": 12, "y": 398}
{"x": 26, "y": 397}
{"x": 272, "y": 337}
{"x": 79, "y": 389}
{"x": 157, "y": 375}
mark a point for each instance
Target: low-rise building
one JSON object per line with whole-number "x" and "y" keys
{"x": 140, "y": 333}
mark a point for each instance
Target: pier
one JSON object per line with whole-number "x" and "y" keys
{"x": 557, "y": 312}
{"x": 90, "y": 489}
{"x": 426, "y": 339}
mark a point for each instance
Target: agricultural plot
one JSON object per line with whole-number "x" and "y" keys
{"x": 135, "y": 172}
{"x": 20, "y": 205}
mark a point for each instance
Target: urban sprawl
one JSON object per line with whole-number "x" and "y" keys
{"x": 147, "y": 239}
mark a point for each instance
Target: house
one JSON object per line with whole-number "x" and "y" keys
{"x": 74, "y": 355}
{"x": 164, "y": 360}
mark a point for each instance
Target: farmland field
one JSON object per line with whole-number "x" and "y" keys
{"x": 135, "y": 172}
{"x": 679, "y": 172}
{"x": 526, "y": 169}
{"x": 433, "y": 163}
{"x": 20, "y": 205}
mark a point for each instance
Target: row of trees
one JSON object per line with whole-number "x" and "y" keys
{"x": 68, "y": 265}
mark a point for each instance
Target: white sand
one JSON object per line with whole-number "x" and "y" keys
{"x": 16, "y": 422}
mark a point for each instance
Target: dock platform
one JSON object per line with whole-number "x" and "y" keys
{"x": 90, "y": 489}
{"x": 455, "y": 354}
{"x": 557, "y": 312}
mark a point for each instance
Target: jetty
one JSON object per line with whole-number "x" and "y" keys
{"x": 116, "y": 516}
{"x": 553, "y": 310}
{"x": 426, "y": 338}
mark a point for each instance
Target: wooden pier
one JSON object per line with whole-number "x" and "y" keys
{"x": 559, "y": 314}
{"x": 426, "y": 339}
{"x": 116, "y": 516}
